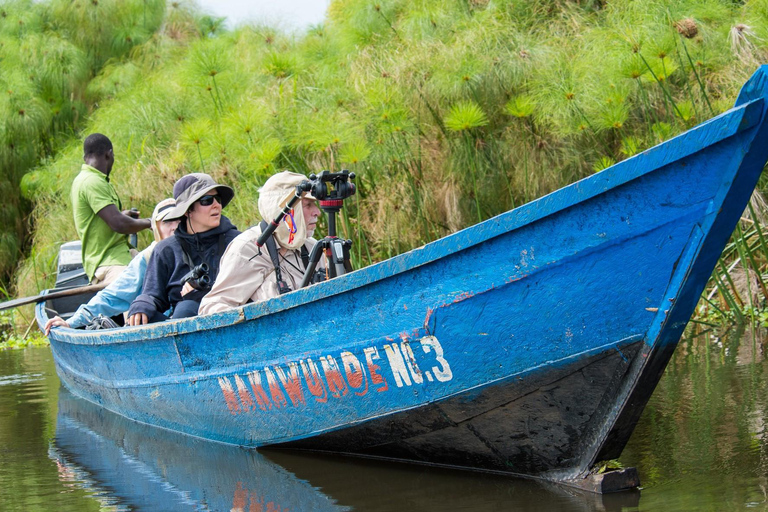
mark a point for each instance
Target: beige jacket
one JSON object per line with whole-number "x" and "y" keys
{"x": 245, "y": 275}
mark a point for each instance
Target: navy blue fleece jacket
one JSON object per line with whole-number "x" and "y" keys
{"x": 166, "y": 267}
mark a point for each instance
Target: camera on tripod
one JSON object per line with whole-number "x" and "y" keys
{"x": 198, "y": 278}
{"x": 340, "y": 189}
{"x": 330, "y": 189}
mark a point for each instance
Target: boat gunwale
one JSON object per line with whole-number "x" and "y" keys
{"x": 735, "y": 120}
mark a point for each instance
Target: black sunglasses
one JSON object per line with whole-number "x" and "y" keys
{"x": 208, "y": 200}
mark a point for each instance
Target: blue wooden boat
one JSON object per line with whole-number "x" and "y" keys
{"x": 527, "y": 344}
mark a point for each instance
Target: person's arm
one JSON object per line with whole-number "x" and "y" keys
{"x": 81, "y": 318}
{"x": 101, "y": 198}
{"x": 117, "y": 297}
{"x": 154, "y": 295}
{"x": 121, "y": 223}
{"x": 241, "y": 274}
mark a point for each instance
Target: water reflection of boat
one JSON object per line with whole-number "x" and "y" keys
{"x": 130, "y": 466}
{"x": 137, "y": 467}
{"x": 527, "y": 344}
{"x": 380, "y": 485}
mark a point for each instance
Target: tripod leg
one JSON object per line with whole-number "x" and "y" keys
{"x": 338, "y": 263}
{"x": 347, "y": 258}
{"x": 314, "y": 257}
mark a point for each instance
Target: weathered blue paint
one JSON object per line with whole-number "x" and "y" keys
{"x": 425, "y": 356}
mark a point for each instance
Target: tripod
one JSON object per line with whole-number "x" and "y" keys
{"x": 331, "y": 201}
{"x": 336, "y": 250}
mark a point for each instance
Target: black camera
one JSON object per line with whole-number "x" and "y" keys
{"x": 340, "y": 187}
{"x": 198, "y": 278}
{"x": 319, "y": 276}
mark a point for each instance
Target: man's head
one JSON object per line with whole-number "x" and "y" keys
{"x": 98, "y": 152}
{"x": 311, "y": 214}
{"x": 274, "y": 195}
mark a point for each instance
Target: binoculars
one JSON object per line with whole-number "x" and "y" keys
{"x": 198, "y": 278}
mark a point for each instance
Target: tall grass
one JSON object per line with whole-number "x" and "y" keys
{"x": 449, "y": 112}
{"x": 50, "y": 52}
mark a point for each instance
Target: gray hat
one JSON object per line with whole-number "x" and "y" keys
{"x": 192, "y": 187}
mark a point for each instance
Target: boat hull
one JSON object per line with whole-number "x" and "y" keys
{"x": 526, "y": 425}
{"x": 527, "y": 344}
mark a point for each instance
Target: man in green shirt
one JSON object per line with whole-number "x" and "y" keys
{"x": 100, "y": 224}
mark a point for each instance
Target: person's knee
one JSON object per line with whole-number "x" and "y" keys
{"x": 185, "y": 309}
{"x": 106, "y": 274}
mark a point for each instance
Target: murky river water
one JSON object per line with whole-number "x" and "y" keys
{"x": 701, "y": 444}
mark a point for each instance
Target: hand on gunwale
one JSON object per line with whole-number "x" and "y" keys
{"x": 56, "y": 321}
{"x": 138, "y": 319}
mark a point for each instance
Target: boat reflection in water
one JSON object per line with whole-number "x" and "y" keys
{"x": 130, "y": 466}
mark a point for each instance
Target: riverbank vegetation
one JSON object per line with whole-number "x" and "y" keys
{"x": 449, "y": 112}
{"x": 50, "y": 52}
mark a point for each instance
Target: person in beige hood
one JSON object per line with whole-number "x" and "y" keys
{"x": 247, "y": 273}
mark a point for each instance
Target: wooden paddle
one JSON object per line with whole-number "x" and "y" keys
{"x": 53, "y": 295}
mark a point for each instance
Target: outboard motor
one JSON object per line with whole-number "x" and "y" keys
{"x": 70, "y": 271}
{"x": 69, "y": 274}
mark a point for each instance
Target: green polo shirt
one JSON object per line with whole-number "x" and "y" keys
{"x": 101, "y": 246}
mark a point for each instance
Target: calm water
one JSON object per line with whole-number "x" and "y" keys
{"x": 700, "y": 445}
